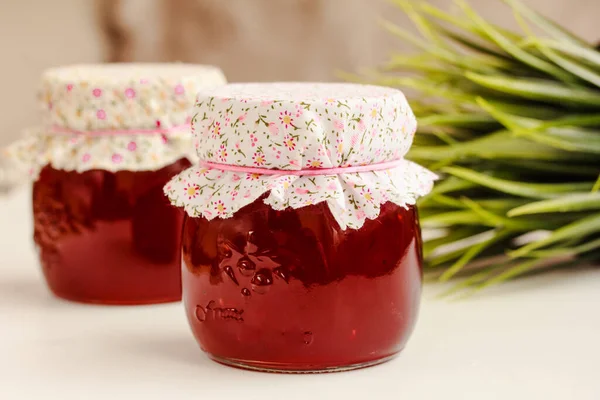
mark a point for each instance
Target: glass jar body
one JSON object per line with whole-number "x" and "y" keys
{"x": 290, "y": 291}
{"x": 109, "y": 237}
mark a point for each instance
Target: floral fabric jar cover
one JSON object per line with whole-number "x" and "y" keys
{"x": 359, "y": 133}
{"x": 113, "y": 117}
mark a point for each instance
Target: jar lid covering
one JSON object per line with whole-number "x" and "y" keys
{"x": 114, "y": 116}
{"x": 295, "y": 126}
{"x": 243, "y": 129}
{"x": 107, "y": 97}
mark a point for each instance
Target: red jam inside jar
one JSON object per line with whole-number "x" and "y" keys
{"x": 109, "y": 237}
{"x": 291, "y": 291}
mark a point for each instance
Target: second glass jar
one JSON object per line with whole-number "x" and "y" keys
{"x": 108, "y": 237}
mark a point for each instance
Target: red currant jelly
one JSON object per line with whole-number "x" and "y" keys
{"x": 290, "y": 291}
{"x": 109, "y": 237}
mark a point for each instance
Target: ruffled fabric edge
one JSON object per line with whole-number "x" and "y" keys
{"x": 78, "y": 152}
{"x": 351, "y": 198}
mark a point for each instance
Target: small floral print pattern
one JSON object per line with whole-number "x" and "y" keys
{"x": 77, "y": 152}
{"x": 259, "y": 159}
{"x": 130, "y": 93}
{"x": 131, "y": 96}
{"x": 179, "y": 89}
{"x": 289, "y": 142}
{"x": 286, "y": 118}
{"x": 367, "y": 194}
{"x": 192, "y": 191}
{"x": 303, "y": 126}
{"x": 223, "y": 153}
{"x": 216, "y": 131}
{"x": 315, "y": 164}
{"x": 220, "y": 208}
{"x": 202, "y": 172}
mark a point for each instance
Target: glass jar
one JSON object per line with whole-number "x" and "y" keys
{"x": 112, "y": 135}
{"x": 291, "y": 291}
{"x": 108, "y": 237}
{"x": 301, "y": 244}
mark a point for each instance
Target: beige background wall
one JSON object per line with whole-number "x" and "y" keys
{"x": 36, "y": 34}
{"x": 250, "y": 39}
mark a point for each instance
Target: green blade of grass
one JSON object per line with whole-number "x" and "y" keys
{"x": 508, "y": 45}
{"x": 451, "y": 218}
{"x": 443, "y": 136}
{"x": 404, "y": 35}
{"x": 455, "y": 234}
{"x": 470, "y": 43}
{"x": 472, "y": 280}
{"x": 463, "y": 23}
{"x": 471, "y": 253}
{"x": 527, "y": 108}
{"x": 591, "y": 56}
{"x": 511, "y": 273}
{"x": 547, "y": 25}
{"x": 519, "y": 189}
{"x": 499, "y": 145}
{"x": 566, "y": 251}
{"x": 471, "y": 121}
{"x": 499, "y": 221}
{"x": 424, "y": 86}
{"x": 449, "y": 185}
{"x": 568, "y": 203}
{"x": 451, "y": 252}
{"x": 537, "y": 89}
{"x": 596, "y": 186}
{"x": 422, "y": 24}
{"x": 479, "y": 63}
{"x": 498, "y": 205}
{"x": 446, "y": 201}
{"x": 560, "y": 142}
{"x": 572, "y": 120}
{"x": 431, "y": 49}
{"x": 587, "y": 74}
{"x": 581, "y": 228}
{"x": 567, "y": 138}
{"x": 575, "y": 170}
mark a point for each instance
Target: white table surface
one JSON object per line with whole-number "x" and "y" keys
{"x": 537, "y": 338}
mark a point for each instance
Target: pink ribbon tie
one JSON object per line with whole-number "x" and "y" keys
{"x": 176, "y": 128}
{"x": 303, "y": 172}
